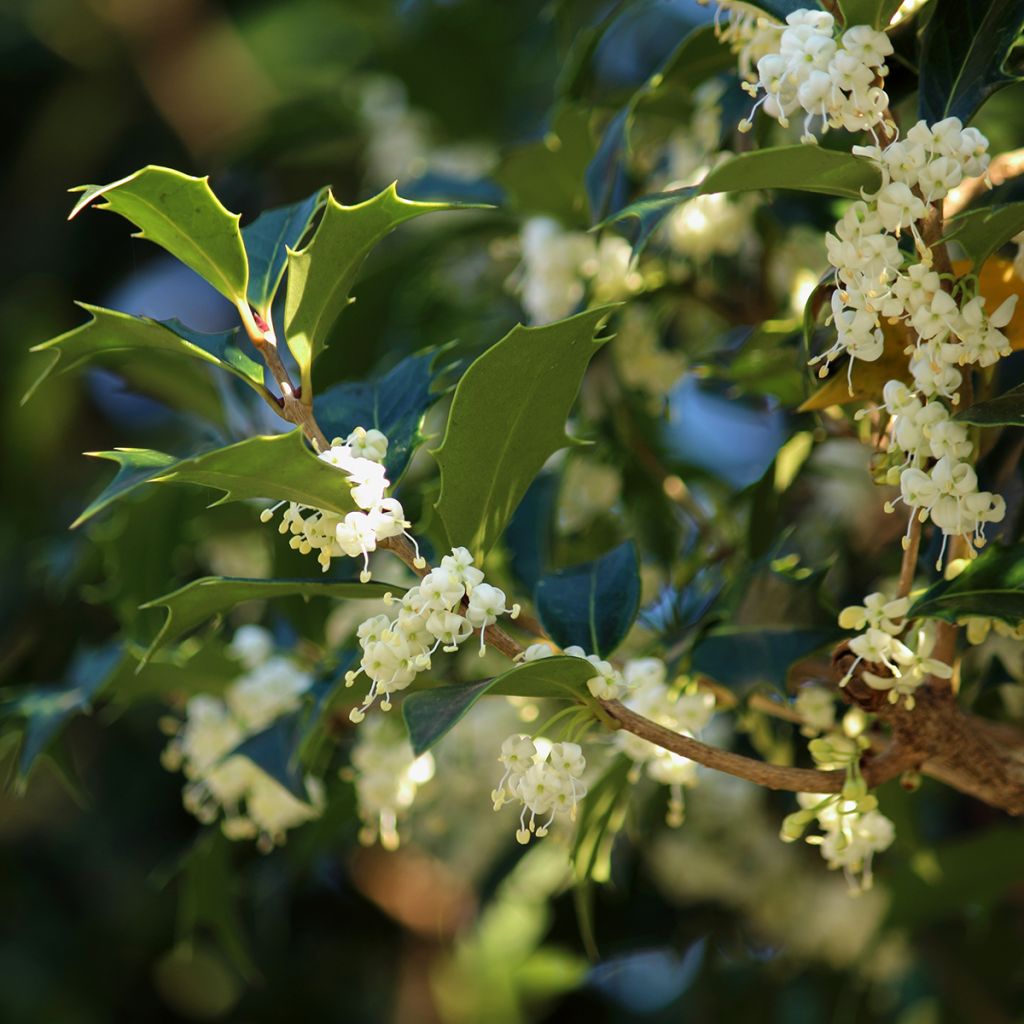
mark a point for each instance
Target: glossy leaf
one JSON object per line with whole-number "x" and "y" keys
{"x": 202, "y": 599}
{"x": 798, "y": 168}
{"x": 991, "y": 586}
{"x": 431, "y": 714}
{"x": 394, "y": 403}
{"x": 135, "y": 466}
{"x": 982, "y": 231}
{"x": 275, "y": 750}
{"x": 964, "y": 51}
{"x": 107, "y": 332}
{"x": 267, "y": 241}
{"x": 321, "y": 274}
{"x": 1007, "y": 410}
{"x": 744, "y": 657}
{"x": 507, "y": 417}
{"x": 181, "y": 214}
{"x": 593, "y": 605}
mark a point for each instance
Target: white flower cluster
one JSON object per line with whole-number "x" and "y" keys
{"x": 607, "y": 684}
{"x": 387, "y": 775}
{"x": 255, "y": 805}
{"x": 816, "y": 707}
{"x": 853, "y": 828}
{"x": 558, "y": 266}
{"x": 685, "y": 711}
{"x": 449, "y": 603}
{"x": 879, "y": 644}
{"x": 935, "y": 480}
{"x": 545, "y": 776}
{"x": 810, "y": 69}
{"x": 748, "y": 33}
{"x": 360, "y": 456}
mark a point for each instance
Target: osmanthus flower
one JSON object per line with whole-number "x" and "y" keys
{"x": 545, "y": 777}
{"x": 816, "y": 707}
{"x": 387, "y": 775}
{"x": 357, "y": 534}
{"x": 913, "y": 671}
{"x": 254, "y": 804}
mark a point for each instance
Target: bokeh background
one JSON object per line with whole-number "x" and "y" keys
{"x": 273, "y": 98}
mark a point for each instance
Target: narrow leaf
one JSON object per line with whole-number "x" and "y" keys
{"x": 508, "y": 416}
{"x": 1007, "y": 410}
{"x": 321, "y": 275}
{"x": 431, "y": 714}
{"x": 593, "y": 605}
{"x": 267, "y": 241}
{"x": 181, "y": 214}
{"x": 991, "y": 586}
{"x": 202, "y": 599}
{"x": 107, "y": 331}
{"x": 964, "y": 53}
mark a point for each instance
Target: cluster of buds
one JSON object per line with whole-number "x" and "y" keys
{"x": 360, "y": 457}
{"x": 449, "y": 603}
{"x": 203, "y": 745}
{"x": 545, "y": 777}
{"x": 813, "y": 69}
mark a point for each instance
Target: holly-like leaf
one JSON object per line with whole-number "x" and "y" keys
{"x": 196, "y": 602}
{"x": 321, "y": 274}
{"x": 394, "y": 403}
{"x": 45, "y": 710}
{"x": 109, "y": 332}
{"x": 507, "y": 417}
{"x": 796, "y": 168}
{"x": 593, "y": 605}
{"x": 964, "y": 53}
{"x": 980, "y": 232}
{"x": 431, "y": 714}
{"x": 275, "y": 750}
{"x": 181, "y": 214}
{"x": 876, "y": 13}
{"x": 267, "y": 241}
{"x": 744, "y": 657}
{"x": 279, "y": 466}
{"x": 135, "y": 466}
{"x": 1007, "y": 410}
{"x": 991, "y": 586}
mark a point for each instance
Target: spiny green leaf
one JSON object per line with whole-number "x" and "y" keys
{"x": 181, "y": 214}
{"x": 279, "y": 466}
{"x": 508, "y": 416}
{"x": 275, "y": 750}
{"x": 321, "y": 275}
{"x": 135, "y": 466}
{"x": 964, "y": 52}
{"x": 267, "y": 241}
{"x": 185, "y": 670}
{"x": 431, "y": 714}
{"x": 202, "y": 599}
{"x": 982, "y": 231}
{"x": 991, "y": 586}
{"x": 743, "y": 657}
{"x": 876, "y": 13}
{"x": 108, "y": 331}
{"x": 593, "y": 605}
{"x": 1006, "y": 410}
{"x": 798, "y": 168}
{"x": 394, "y": 404}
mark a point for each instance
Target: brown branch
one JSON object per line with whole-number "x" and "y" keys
{"x": 909, "y": 564}
{"x": 1002, "y": 168}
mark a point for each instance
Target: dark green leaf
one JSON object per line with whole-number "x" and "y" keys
{"x": 508, "y": 416}
{"x": 202, "y": 599}
{"x": 267, "y": 241}
{"x": 743, "y": 657}
{"x": 109, "y": 332}
{"x": 181, "y": 214}
{"x": 964, "y": 53}
{"x": 593, "y": 605}
{"x": 394, "y": 404}
{"x": 321, "y": 275}
{"x": 982, "y": 231}
{"x": 275, "y": 750}
{"x": 135, "y": 466}
{"x": 1006, "y": 410}
{"x": 798, "y": 168}
{"x": 991, "y": 586}
{"x": 430, "y": 714}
